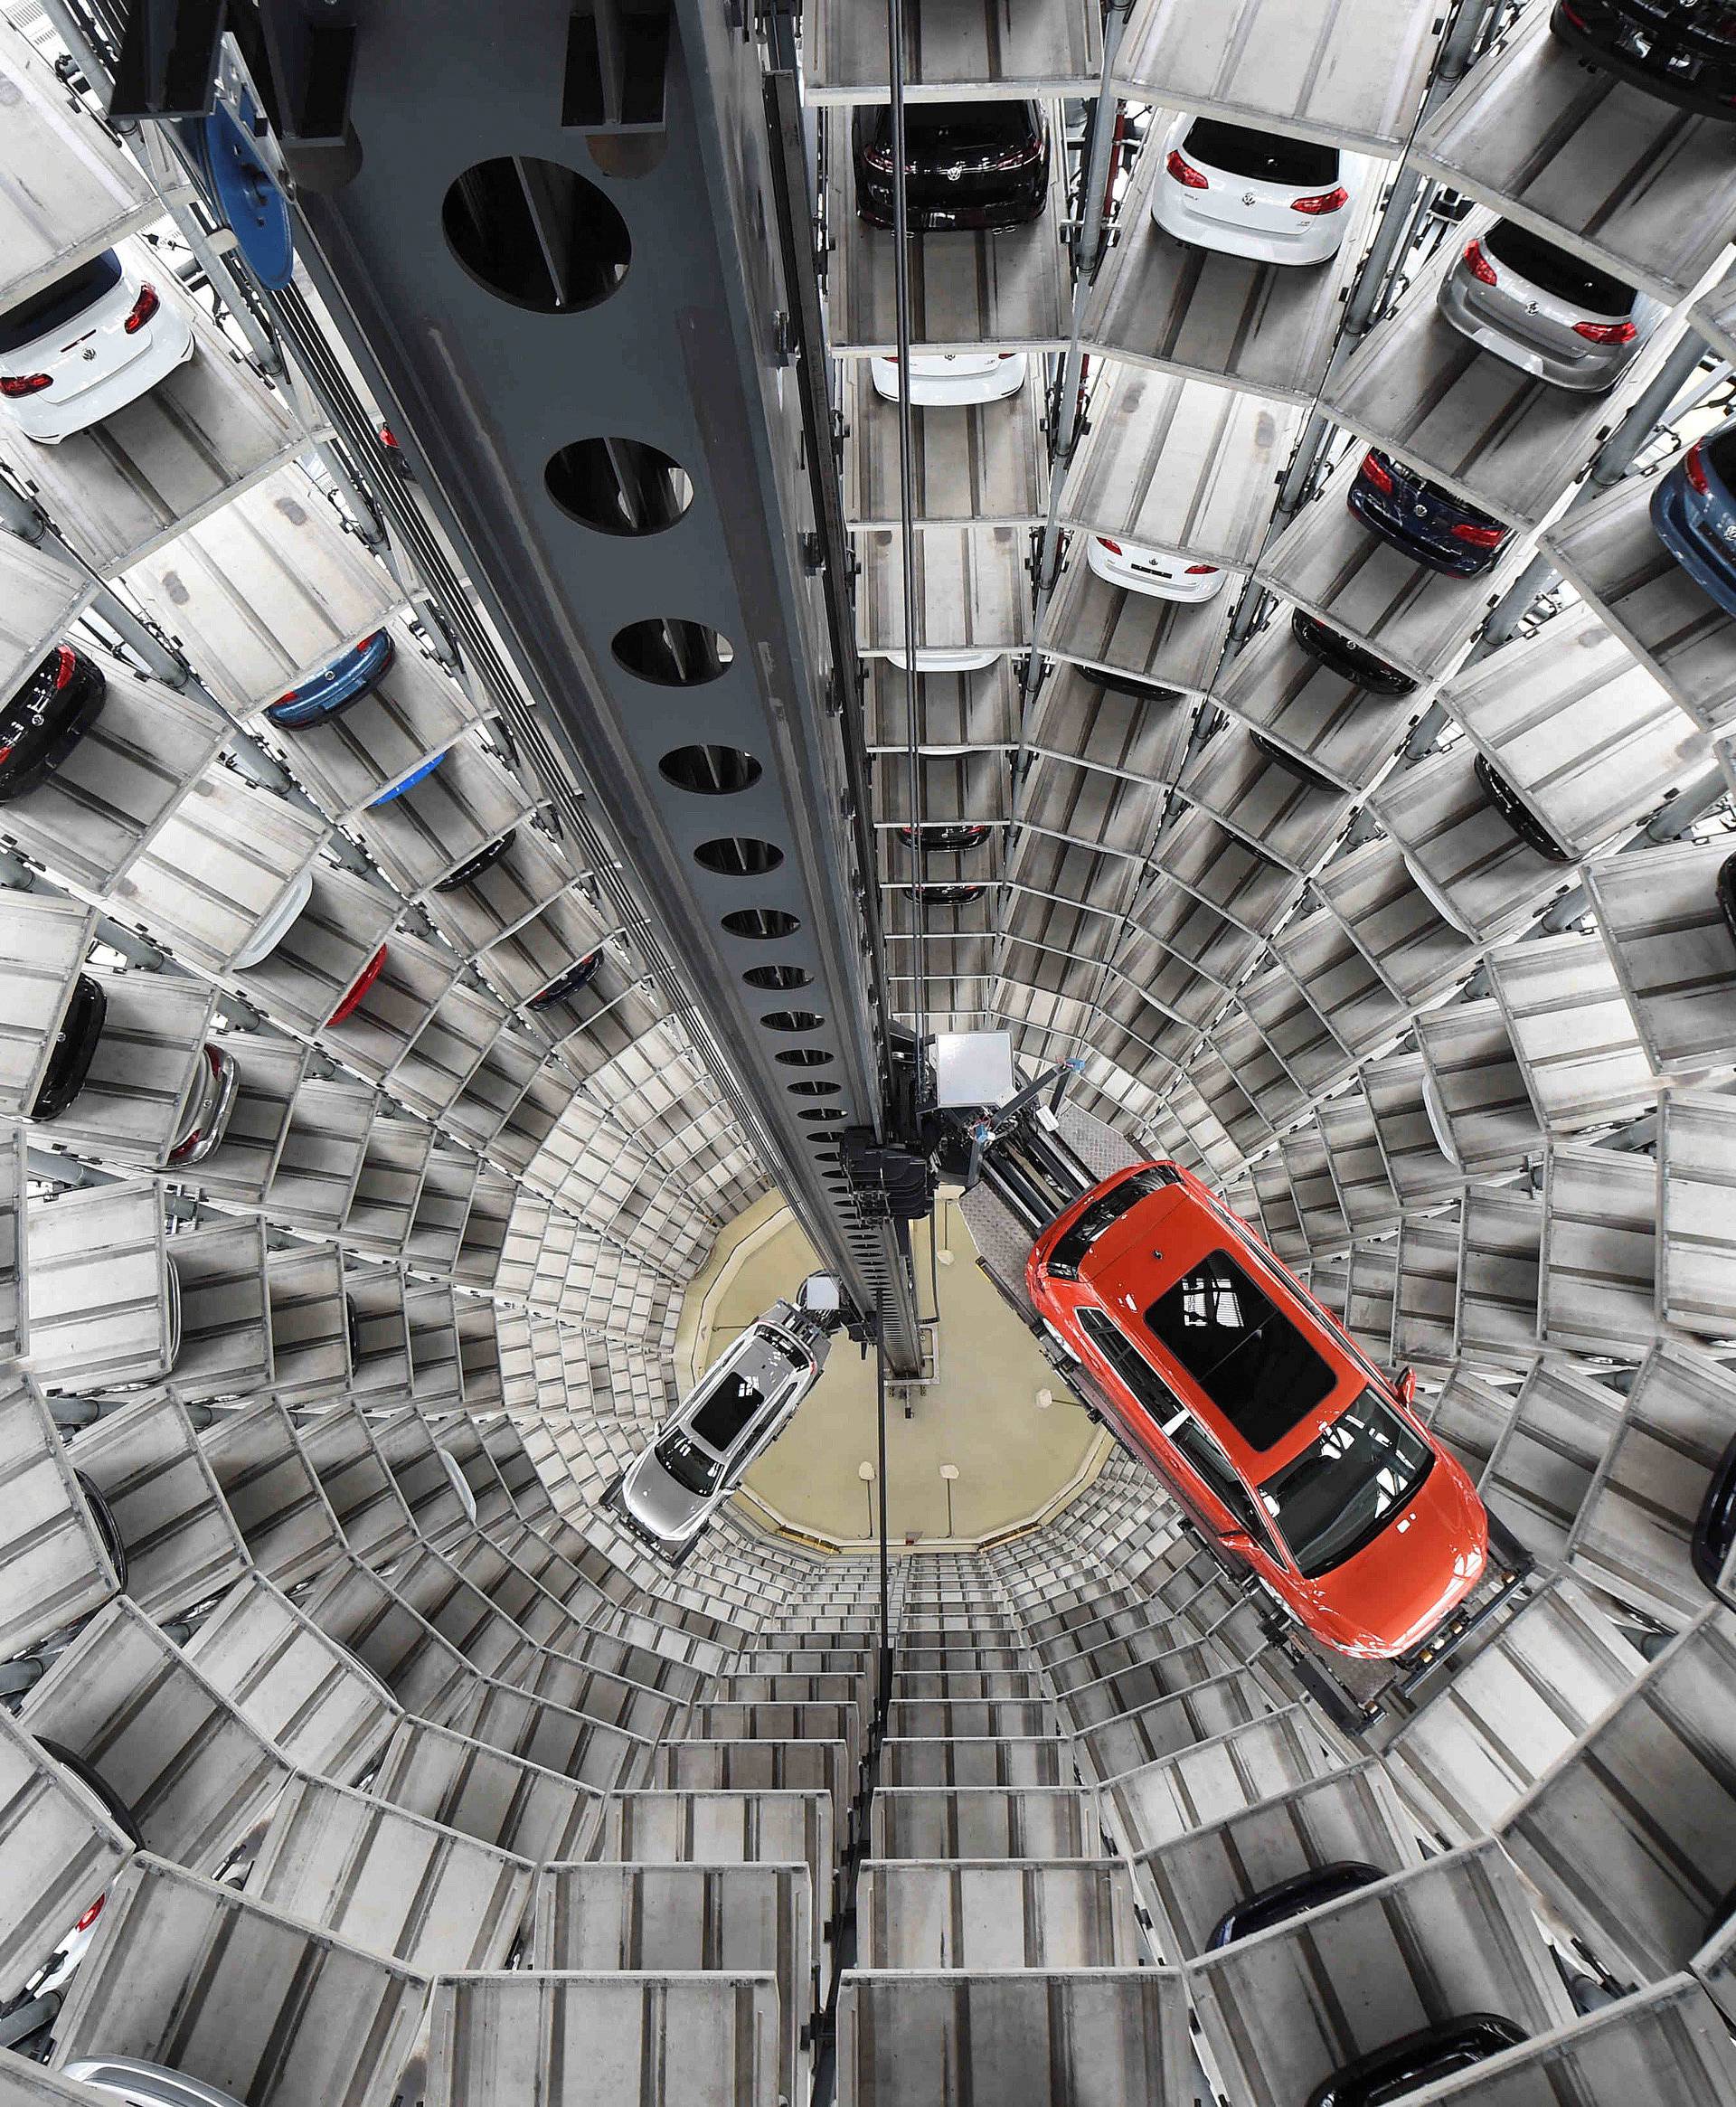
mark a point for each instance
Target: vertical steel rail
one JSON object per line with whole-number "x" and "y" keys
{"x": 885, "y": 1679}
{"x": 907, "y": 529}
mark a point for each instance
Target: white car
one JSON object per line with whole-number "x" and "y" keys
{"x": 145, "y": 2084}
{"x": 85, "y": 347}
{"x": 1254, "y": 193}
{"x": 956, "y": 379}
{"x": 276, "y": 923}
{"x": 948, "y": 658}
{"x": 736, "y": 1409}
{"x": 1157, "y": 571}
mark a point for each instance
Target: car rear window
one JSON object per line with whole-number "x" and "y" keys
{"x": 1720, "y": 450}
{"x": 57, "y": 305}
{"x": 1265, "y": 156}
{"x": 939, "y": 129}
{"x": 1554, "y": 271}
{"x": 1248, "y": 1357}
{"x": 1099, "y": 1217}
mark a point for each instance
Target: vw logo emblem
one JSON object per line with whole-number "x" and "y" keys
{"x": 90, "y": 354}
{"x": 1421, "y": 511}
{"x": 1248, "y": 198}
{"x": 1531, "y": 307}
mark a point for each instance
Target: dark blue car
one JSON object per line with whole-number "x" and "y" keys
{"x": 409, "y": 783}
{"x": 1429, "y": 523}
{"x": 351, "y": 675}
{"x": 1693, "y": 514}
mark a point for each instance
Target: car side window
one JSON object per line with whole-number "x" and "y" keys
{"x": 1214, "y": 1467}
{"x": 1130, "y": 1364}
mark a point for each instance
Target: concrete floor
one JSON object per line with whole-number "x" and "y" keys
{"x": 1015, "y": 1461}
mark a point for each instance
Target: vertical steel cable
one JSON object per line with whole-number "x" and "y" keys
{"x": 907, "y": 529}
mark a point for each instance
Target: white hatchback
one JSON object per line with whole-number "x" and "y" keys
{"x": 953, "y": 379}
{"x": 733, "y": 1413}
{"x": 95, "y": 340}
{"x": 1253, "y": 193}
{"x": 1156, "y": 571}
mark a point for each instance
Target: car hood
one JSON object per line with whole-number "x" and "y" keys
{"x": 655, "y": 1501}
{"x": 1397, "y": 1588}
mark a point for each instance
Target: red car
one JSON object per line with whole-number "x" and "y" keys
{"x": 1271, "y": 1429}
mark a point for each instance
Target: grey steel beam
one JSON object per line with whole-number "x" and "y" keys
{"x": 687, "y": 345}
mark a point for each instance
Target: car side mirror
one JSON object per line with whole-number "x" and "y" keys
{"x": 1407, "y": 1387}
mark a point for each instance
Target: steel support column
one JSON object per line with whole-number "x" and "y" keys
{"x": 633, "y": 288}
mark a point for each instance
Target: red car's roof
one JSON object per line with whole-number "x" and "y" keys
{"x": 1160, "y": 1238}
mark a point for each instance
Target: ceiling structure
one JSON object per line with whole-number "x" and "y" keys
{"x": 399, "y": 1768}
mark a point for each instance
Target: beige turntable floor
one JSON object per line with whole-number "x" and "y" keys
{"x": 1015, "y": 1459}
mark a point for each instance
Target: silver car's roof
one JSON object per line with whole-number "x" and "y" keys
{"x": 151, "y": 2084}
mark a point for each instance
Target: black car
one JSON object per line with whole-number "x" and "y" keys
{"x": 114, "y": 1543}
{"x": 1349, "y": 660}
{"x": 1295, "y": 765}
{"x": 952, "y": 837}
{"x": 74, "y": 1049}
{"x": 1714, "y": 1527}
{"x": 1419, "y": 2059}
{"x": 1726, "y": 883}
{"x": 1288, "y": 1898}
{"x": 1684, "y": 52}
{"x": 569, "y": 983}
{"x": 1517, "y": 814}
{"x": 47, "y": 717}
{"x": 484, "y": 859}
{"x": 966, "y": 165}
{"x": 1429, "y": 523}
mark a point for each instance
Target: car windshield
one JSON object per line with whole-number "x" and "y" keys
{"x": 937, "y": 131}
{"x": 1261, "y": 154}
{"x": 57, "y": 305}
{"x": 1248, "y": 1357}
{"x": 1553, "y": 270}
{"x": 726, "y": 1414}
{"x": 691, "y": 1467}
{"x": 1336, "y": 1496}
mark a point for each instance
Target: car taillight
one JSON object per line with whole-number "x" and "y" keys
{"x": 1324, "y": 200}
{"x": 1375, "y": 469}
{"x": 1103, "y": 541}
{"x": 91, "y": 1914}
{"x": 879, "y": 157}
{"x": 1693, "y": 467}
{"x": 388, "y": 438}
{"x": 1606, "y": 332}
{"x": 1479, "y": 537}
{"x": 66, "y": 664}
{"x": 1184, "y": 171}
{"x": 1479, "y": 264}
{"x": 143, "y": 307}
{"x": 1005, "y": 355}
{"x": 1573, "y": 14}
{"x": 12, "y": 385}
{"x": 1200, "y": 571}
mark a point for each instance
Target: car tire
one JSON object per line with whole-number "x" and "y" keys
{"x": 93, "y": 1781}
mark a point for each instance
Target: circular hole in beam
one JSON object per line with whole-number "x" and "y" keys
{"x": 710, "y": 771}
{"x": 619, "y": 485}
{"x": 536, "y": 234}
{"x": 814, "y": 1089}
{"x": 761, "y": 924}
{"x": 803, "y": 1057}
{"x": 778, "y": 980}
{"x": 792, "y": 1020}
{"x": 670, "y": 651}
{"x": 738, "y": 855}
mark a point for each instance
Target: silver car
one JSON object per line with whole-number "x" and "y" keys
{"x": 1547, "y": 312}
{"x": 735, "y": 1410}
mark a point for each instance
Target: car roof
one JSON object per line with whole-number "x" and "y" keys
{"x": 1122, "y": 1273}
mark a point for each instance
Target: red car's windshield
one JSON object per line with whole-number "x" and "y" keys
{"x": 1336, "y": 1496}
